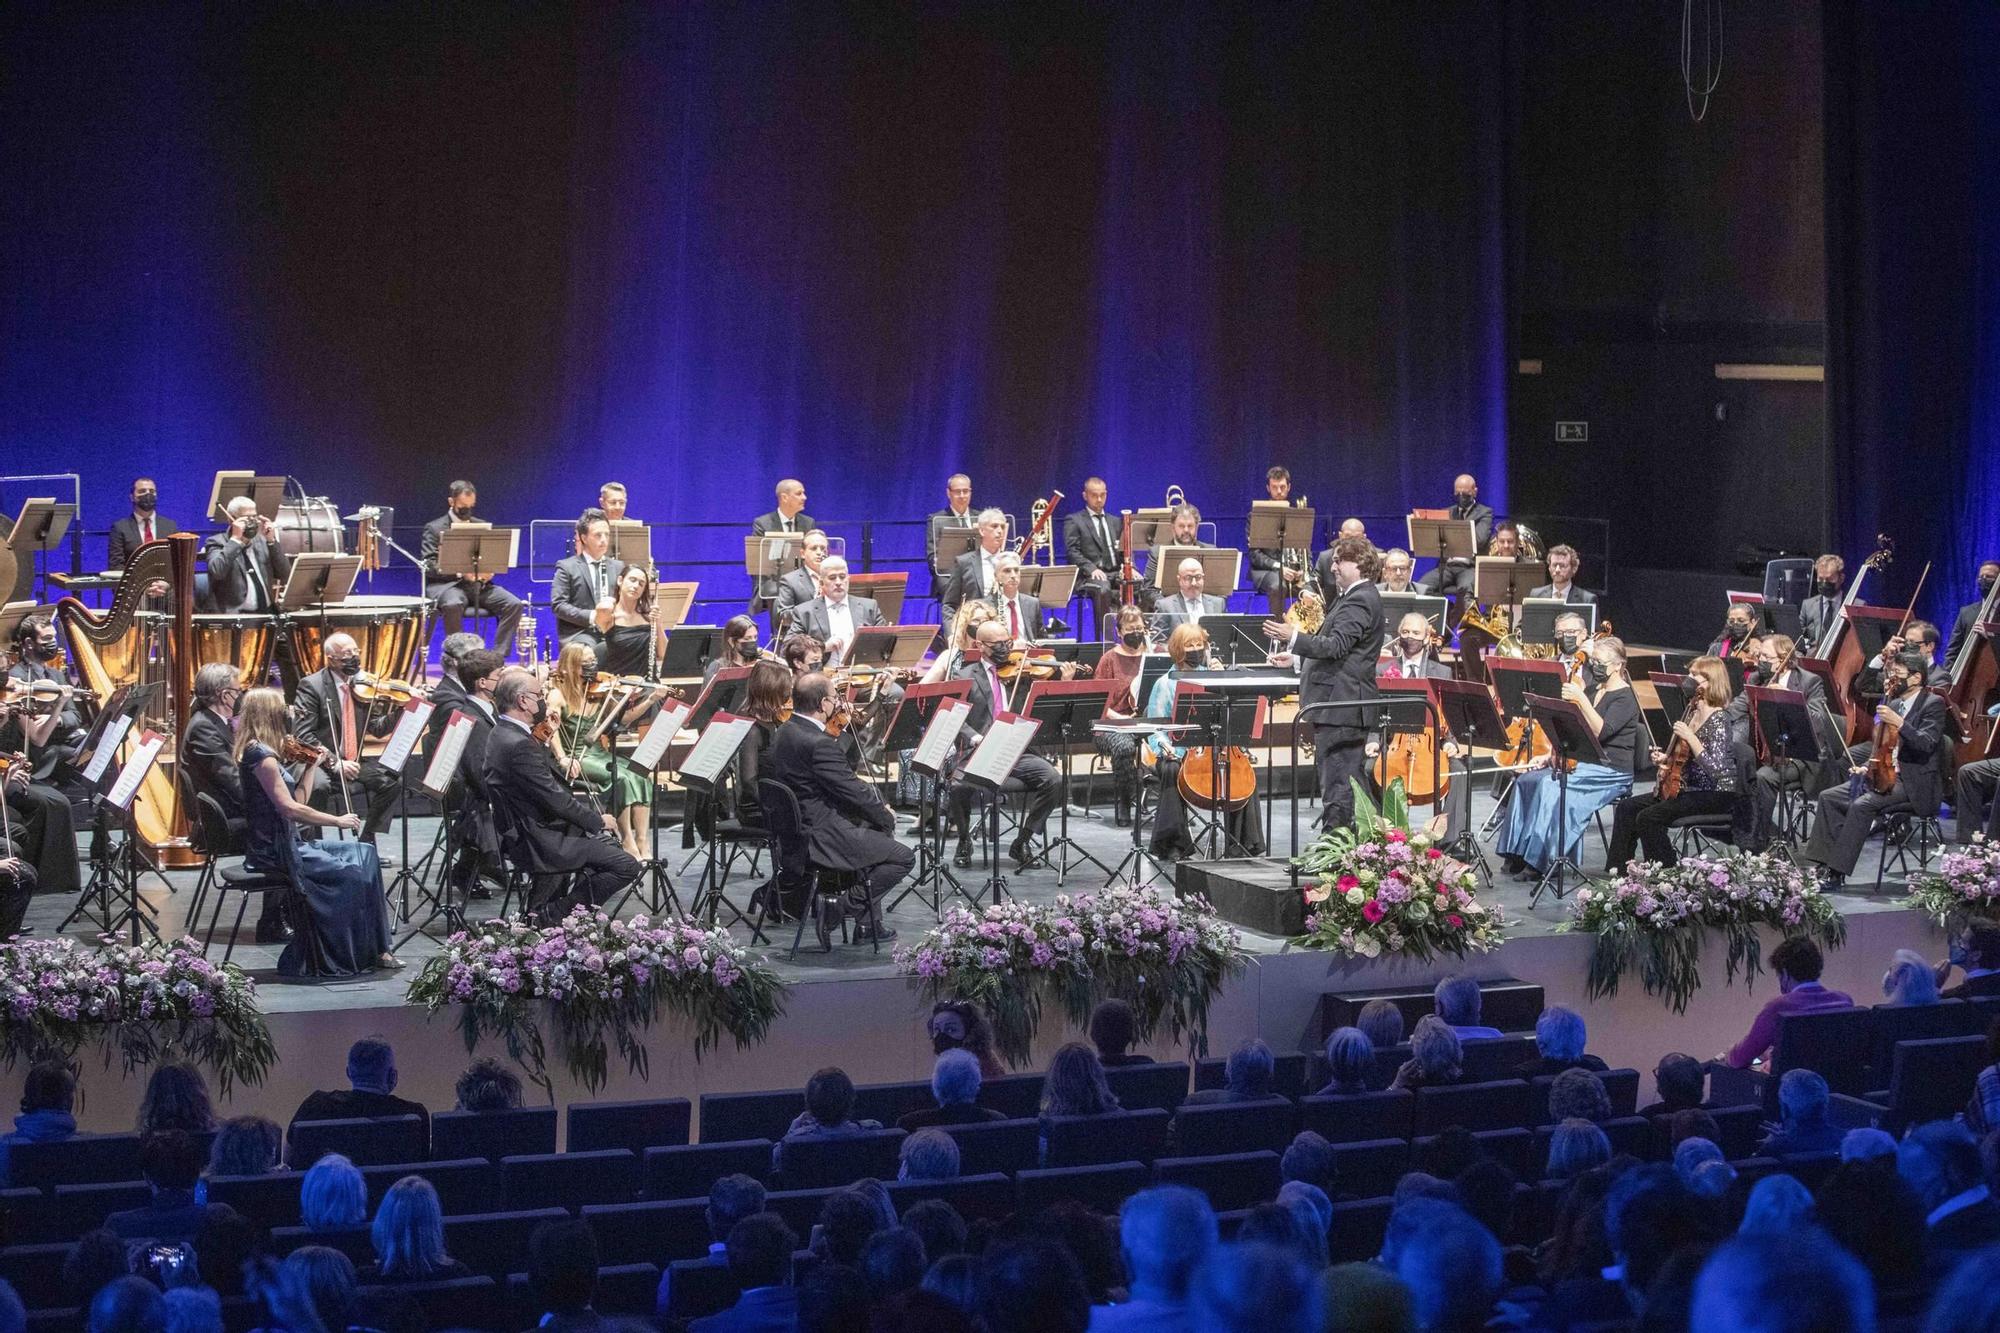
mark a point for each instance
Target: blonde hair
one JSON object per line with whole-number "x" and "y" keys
{"x": 970, "y": 615}
{"x": 1183, "y": 641}
{"x": 1715, "y": 691}
{"x": 567, "y": 679}
{"x": 264, "y": 718}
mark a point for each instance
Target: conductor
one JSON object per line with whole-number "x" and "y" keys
{"x": 1337, "y": 665}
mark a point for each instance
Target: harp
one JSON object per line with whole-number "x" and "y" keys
{"x": 123, "y": 646}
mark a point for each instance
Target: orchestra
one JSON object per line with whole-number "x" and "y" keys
{"x": 546, "y": 783}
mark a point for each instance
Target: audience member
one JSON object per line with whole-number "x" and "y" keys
{"x": 1449, "y": 1151}
{"x": 760, "y": 1260}
{"x": 833, "y": 1298}
{"x": 1712, "y": 1180}
{"x": 955, "y": 1083}
{"x": 921, "y": 1311}
{"x": 96, "y": 1258}
{"x": 562, "y": 1268}
{"x": 327, "y": 1278}
{"x": 1982, "y": 1111}
{"x": 1910, "y": 979}
{"x": 1877, "y": 1218}
{"x": 877, "y": 1194}
{"x": 488, "y": 1085}
{"x": 1648, "y": 1214}
{"x": 1691, "y": 1154}
{"x": 1802, "y": 1101}
{"x": 1383, "y": 1023}
{"x": 1033, "y": 1286}
{"x": 1941, "y": 1163}
{"x": 957, "y": 1025}
{"x": 1969, "y": 1302}
{"x": 1695, "y": 1124}
{"x": 1113, "y": 1028}
{"x": 939, "y": 1226}
{"x": 1246, "y": 1076}
{"x": 1302, "y": 1199}
{"x": 1559, "y": 1041}
{"x": 928, "y": 1154}
{"x": 408, "y": 1235}
{"x": 1570, "y": 1263}
{"x": 1575, "y": 1147}
{"x": 1777, "y": 1204}
{"x": 1681, "y": 1082}
{"x": 829, "y": 1108}
{"x": 126, "y": 1305}
{"x": 1866, "y": 1144}
{"x": 1450, "y": 1263}
{"x": 955, "y": 1279}
{"x": 1365, "y": 1298}
{"x": 730, "y": 1200}
{"x": 1091, "y": 1239}
{"x": 1422, "y": 1185}
{"x": 1435, "y": 1056}
{"x": 1457, "y": 1001}
{"x": 225, "y": 1243}
{"x": 892, "y": 1262}
{"x": 190, "y": 1310}
{"x": 1976, "y": 950}
{"x": 333, "y": 1196}
{"x": 171, "y": 1162}
{"x": 1782, "y": 1284}
{"x": 1578, "y": 1094}
{"x": 1486, "y": 1191}
{"x": 1311, "y": 1159}
{"x": 1075, "y": 1084}
{"x": 247, "y": 1145}
{"x": 1277, "y": 1225}
{"x": 1350, "y": 1062}
{"x": 1248, "y": 1287}
{"x": 48, "y": 1103}
{"x": 846, "y": 1220}
{"x": 1798, "y": 963}
{"x": 369, "y": 1094}
{"x": 176, "y": 1098}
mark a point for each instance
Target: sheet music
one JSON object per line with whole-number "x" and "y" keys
{"x": 135, "y": 769}
{"x": 450, "y": 749}
{"x": 1003, "y": 747}
{"x": 665, "y": 726}
{"x": 717, "y": 746}
{"x": 945, "y": 724}
{"x": 107, "y": 745}
{"x": 416, "y": 713}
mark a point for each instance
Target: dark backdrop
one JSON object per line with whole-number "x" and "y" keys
{"x": 700, "y": 247}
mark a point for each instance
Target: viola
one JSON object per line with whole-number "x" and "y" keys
{"x": 375, "y": 689}
{"x": 1672, "y": 776}
{"x": 1036, "y": 662}
{"x": 1881, "y": 775}
{"x": 292, "y": 750}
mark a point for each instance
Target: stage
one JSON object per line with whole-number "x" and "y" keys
{"x": 851, "y": 1008}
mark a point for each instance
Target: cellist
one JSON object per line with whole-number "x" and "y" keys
{"x": 1412, "y": 655}
{"x": 1910, "y": 728}
{"x": 1243, "y": 827}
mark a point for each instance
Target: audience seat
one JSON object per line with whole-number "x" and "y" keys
{"x": 1117, "y": 1136}
{"x": 493, "y": 1134}
{"x": 686, "y": 1171}
{"x": 365, "y": 1141}
{"x": 1163, "y": 1085}
{"x": 1916, "y": 1022}
{"x": 653, "y": 1231}
{"x": 35, "y": 1271}
{"x": 1290, "y": 1073}
{"x": 997, "y": 1145}
{"x": 1513, "y": 1148}
{"x": 87, "y": 1159}
{"x": 571, "y": 1179}
{"x": 823, "y": 1163}
{"x": 1932, "y": 1079}
{"x": 1358, "y": 1227}
{"x": 799, "y": 1208}
{"x": 699, "y": 1287}
{"x": 887, "y": 1103}
{"x": 1504, "y": 1003}
{"x": 729, "y": 1117}
{"x": 65, "y": 1320}
{"x": 271, "y": 1200}
{"x": 635, "y": 1126}
{"x": 1016, "y": 1096}
{"x": 1104, "y": 1187}
{"x": 1488, "y": 1058}
{"x": 1205, "y": 1131}
{"x": 495, "y": 1243}
{"x": 1359, "y": 1117}
{"x": 1388, "y": 1059}
{"x": 1498, "y": 1104}
{"x": 1230, "y": 1180}
{"x": 466, "y": 1185}
{"x": 1742, "y": 1130}
{"x": 989, "y": 1196}
{"x": 1810, "y": 1168}
{"x": 80, "y": 1208}
{"x": 1836, "y": 1044}
{"x": 1620, "y": 1085}
{"x": 465, "y": 1302}
{"x": 356, "y": 1243}
{"x": 624, "y": 1291}
{"x": 1369, "y": 1168}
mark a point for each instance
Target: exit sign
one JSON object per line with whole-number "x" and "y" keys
{"x": 1572, "y": 432}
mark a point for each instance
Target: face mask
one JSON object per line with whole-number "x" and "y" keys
{"x": 1466, "y": 499}
{"x": 1197, "y": 660}
{"x": 1566, "y": 643}
{"x": 996, "y": 653}
{"x": 348, "y": 666}
{"x": 1738, "y": 630}
{"x": 942, "y": 1042}
{"x": 1985, "y": 586}
{"x": 461, "y": 512}
{"x": 747, "y": 650}
{"x": 1757, "y": 675}
{"x": 43, "y": 652}
{"x": 589, "y": 674}
{"x": 541, "y": 711}
{"x": 1134, "y": 639}
{"x": 1411, "y": 647}
{"x": 145, "y": 504}
{"x": 1599, "y": 672}
{"x": 1828, "y": 588}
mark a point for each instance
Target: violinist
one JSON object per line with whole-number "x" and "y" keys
{"x": 327, "y": 714}
{"x": 1032, "y": 773}
{"x": 1774, "y": 665}
{"x": 833, "y": 616}
{"x": 1739, "y": 631}
{"x": 1707, "y": 765}
{"x": 575, "y": 713}
{"x": 207, "y": 759}
{"x": 1529, "y": 840}
{"x": 478, "y": 671}
{"x": 1909, "y": 738}
{"x": 767, "y": 699}
{"x": 1919, "y": 636}
{"x": 1243, "y": 832}
{"x": 38, "y": 661}
{"x": 1573, "y": 641}
{"x": 44, "y": 826}
{"x": 1120, "y": 664}
{"x": 1968, "y": 624}
{"x": 741, "y": 646}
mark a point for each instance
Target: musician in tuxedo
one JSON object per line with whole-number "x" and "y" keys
{"x": 326, "y": 714}
{"x": 800, "y": 585}
{"x": 1020, "y": 612}
{"x": 246, "y": 565}
{"x": 1818, "y": 612}
{"x": 974, "y": 574}
{"x": 587, "y": 581}
{"x": 1337, "y": 665}
{"x": 1410, "y": 656}
{"x": 611, "y": 498}
{"x": 36, "y": 649}
{"x": 1919, "y": 636}
{"x": 207, "y": 760}
{"x": 833, "y": 616}
{"x": 1845, "y": 818}
{"x": 789, "y": 516}
{"x": 847, "y": 826}
{"x": 473, "y": 828}
{"x": 986, "y": 649}
{"x": 1774, "y": 665}
{"x": 1563, "y": 566}
{"x": 44, "y": 824}
{"x": 957, "y": 513}
{"x": 144, "y": 524}
{"x": 1396, "y": 566}
{"x": 1967, "y": 623}
{"x": 541, "y": 820}
{"x": 1191, "y": 603}
{"x": 1268, "y": 573}
{"x": 1092, "y": 541}
{"x": 455, "y": 596}
{"x": 1977, "y": 803}
{"x": 1454, "y": 578}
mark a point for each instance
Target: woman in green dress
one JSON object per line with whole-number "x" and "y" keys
{"x": 627, "y": 794}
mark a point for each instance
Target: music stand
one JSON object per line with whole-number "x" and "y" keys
{"x": 909, "y": 727}
{"x": 1052, "y": 585}
{"x": 1151, "y": 527}
{"x": 631, "y": 541}
{"x": 1279, "y": 525}
{"x": 688, "y": 651}
{"x": 1141, "y": 729}
{"x": 1513, "y": 679}
{"x": 1208, "y": 717}
{"x": 1540, "y": 614}
{"x": 1067, "y": 710}
{"x": 1396, "y": 605}
{"x": 1499, "y": 581}
{"x": 42, "y": 523}
{"x": 445, "y": 756}
{"x": 122, "y": 875}
{"x": 991, "y": 763}
{"x": 722, "y": 692}
{"x": 887, "y": 590}
{"x": 1446, "y": 539}
{"x": 318, "y": 579}
{"x": 701, "y": 772}
{"x": 1570, "y": 738}
{"x": 675, "y": 600}
{"x": 1781, "y": 727}
{"x": 899, "y": 646}
{"x": 1469, "y": 716}
{"x": 1247, "y": 697}
{"x": 395, "y": 758}
{"x": 267, "y": 492}
{"x": 479, "y": 552}
{"x": 667, "y": 717}
{"x": 1220, "y": 567}
{"x": 951, "y": 544}
{"x": 1238, "y": 640}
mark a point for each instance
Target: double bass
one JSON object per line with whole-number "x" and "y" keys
{"x": 1975, "y": 686}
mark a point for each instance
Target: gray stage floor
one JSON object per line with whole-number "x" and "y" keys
{"x": 1092, "y": 831}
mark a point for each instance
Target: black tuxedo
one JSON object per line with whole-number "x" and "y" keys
{"x": 317, "y": 720}
{"x": 1337, "y": 665}
{"x": 767, "y": 589}
{"x": 573, "y": 597}
{"x": 231, "y": 585}
{"x": 1816, "y": 613}
{"x": 1772, "y": 779}
{"x": 454, "y": 597}
{"x": 1961, "y": 633}
{"x": 936, "y": 519}
{"x": 1456, "y": 580}
{"x": 546, "y": 830}
{"x": 126, "y": 538}
{"x": 1033, "y": 774}
{"x": 845, "y": 824}
{"x": 210, "y": 768}
{"x": 1174, "y": 609}
{"x": 966, "y": 582}
{"x": 472, "y": 821}
{"x": 1084, "y": 547}
{"x": 1844, "y": 820}
{"x": 1574, "y": 597}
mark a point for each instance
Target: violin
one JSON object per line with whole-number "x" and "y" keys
{"x": 1035, "y": 662}
{"x": 374, "y": 689}
{"x": 292, "y": 750}
{"x": 35, "y": 697}
{"x": 1673, "y": 769}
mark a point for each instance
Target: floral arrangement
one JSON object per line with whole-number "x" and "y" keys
{"x": 1168, "y": 957}
{"x": 1654, "y": 918}
{"x": 1383, "y": 887}
{"x": 1966, "y": 882}
{"x": 149, "y": 1002}
{"x": 602, "y": 982}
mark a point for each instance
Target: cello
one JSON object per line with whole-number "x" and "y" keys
{"x": 1975, "y": 686}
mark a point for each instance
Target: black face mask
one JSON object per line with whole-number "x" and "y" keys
{"x": 1411, "y": 647}
{"x": 748, "y": 650}
{"x": 1599, "y": 672}
{"x": 461, "y": 512}
{"x": 1133, "y": 640}
{"x": 43, "y": 652}
{"x": 1466, "y": 499}
{"x": 1756, "y": 675}
{"x": 1566, "y": 643}
{"x": 348, "y": 666}
{"x": 145, "y": 504}
{"x": 1197, "y": 660}
{"x": 1737, "y": 631}
{"x": 942, "y": 1042}
{"x": 589, "y": 674}
{"x": 1828, "y": 588}
{"x": 1986, "y": 587}
{"x": 996, "y": 653}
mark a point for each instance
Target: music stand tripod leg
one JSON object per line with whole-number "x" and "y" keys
{"x": 1555, "y": 878}
{"x": 1073, "y": 853}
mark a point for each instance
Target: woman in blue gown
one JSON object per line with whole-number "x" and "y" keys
{"x": 344, "y": 925}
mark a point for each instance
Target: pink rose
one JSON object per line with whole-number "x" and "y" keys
{"x": 1434, "y": 854}
{"x": 1454, "y": 920}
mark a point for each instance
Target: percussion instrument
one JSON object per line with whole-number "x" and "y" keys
{"x": 244, "y": 641}
{"x": 390, "y": 632}
{"x": 313, "y": 526}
